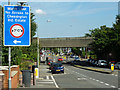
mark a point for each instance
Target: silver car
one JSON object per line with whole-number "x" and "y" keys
{"x": 102, "y": 63}
{"x": 117, "y": 65}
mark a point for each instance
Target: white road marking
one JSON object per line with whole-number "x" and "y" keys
{"x": 54, "y": 82}
{"x": 97, "y": 80}
{"x": 101, "y": 82}
{"x": 113, "y": 86}
{"x": 82, "y": 79}
{"x": 90, "y": 78}
{"x": 114, "y": 75}
{"x": 77, "y": 72}
{"x": 107, "y": 84}
{"x": 45, "y": 82}
{"x": 47, "y": 77}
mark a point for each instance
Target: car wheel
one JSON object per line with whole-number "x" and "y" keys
{"x": 52, "y": 72}
{"x": 118, "y": 67}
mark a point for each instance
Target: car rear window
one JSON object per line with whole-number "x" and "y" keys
{"x": 58, "y": 65}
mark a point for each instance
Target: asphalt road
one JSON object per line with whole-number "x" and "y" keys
{"x": 79, "y": 78}
{"x": 75, "y": 78}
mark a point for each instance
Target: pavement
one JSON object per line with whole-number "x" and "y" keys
{"x": 45, "y": 79}
{"x": 96, "y": 69}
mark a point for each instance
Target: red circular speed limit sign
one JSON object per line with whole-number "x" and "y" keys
{"x": 17, "y": 30}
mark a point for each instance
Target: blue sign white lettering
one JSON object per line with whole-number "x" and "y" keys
{"x": 16, "y": 25}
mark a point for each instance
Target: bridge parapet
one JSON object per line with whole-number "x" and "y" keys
{"x": 66, "y": 42}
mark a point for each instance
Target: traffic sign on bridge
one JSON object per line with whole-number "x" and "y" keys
{"x": 16, "y": 25}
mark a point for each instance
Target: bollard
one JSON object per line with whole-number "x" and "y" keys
{"x": 34, "y": 74}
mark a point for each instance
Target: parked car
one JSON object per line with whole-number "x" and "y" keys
{"x": 57, "y": 68}
{"x": 75, "y": 62}
{"x": 89, "y": 61}
{"x": 72, "y": 56}
{"x": 96, "y": 63}
{"x": 77, "y": 58}
{"x": 60, "y": 59}
{"x": 102, "y": 63}
{"x": 61, "y": 54}
{"x": 117, "y": 65}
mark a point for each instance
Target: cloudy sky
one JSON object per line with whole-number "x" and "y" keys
{"x": 72, "y": 19}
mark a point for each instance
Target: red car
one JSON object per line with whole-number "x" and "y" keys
{"x": 112, "y": 62}
{"x": 49, "y": 62}
{"x": 60, "y": 59}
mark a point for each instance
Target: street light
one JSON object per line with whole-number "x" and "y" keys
{"x": 22, "y": 2}
{"x": 117, "y": 32}
{"x": 38, "y": 50}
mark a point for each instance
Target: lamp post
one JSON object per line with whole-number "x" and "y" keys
{"x": 38, "y": 51}
{"x": 117, "y": 32}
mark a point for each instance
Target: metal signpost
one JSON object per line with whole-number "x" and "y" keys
{"x": 16, "y": 28}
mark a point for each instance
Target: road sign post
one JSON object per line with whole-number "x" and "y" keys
{"x": 16, "y": 29}
{"x": 9, "y": 81}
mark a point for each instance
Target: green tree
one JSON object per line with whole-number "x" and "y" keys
{"x": 116, "y": 28}
{"x": 106, "y": 41}
{"x": 77, "y": 51}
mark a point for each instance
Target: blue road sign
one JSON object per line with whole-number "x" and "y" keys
{"x": 16, "y": 25}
